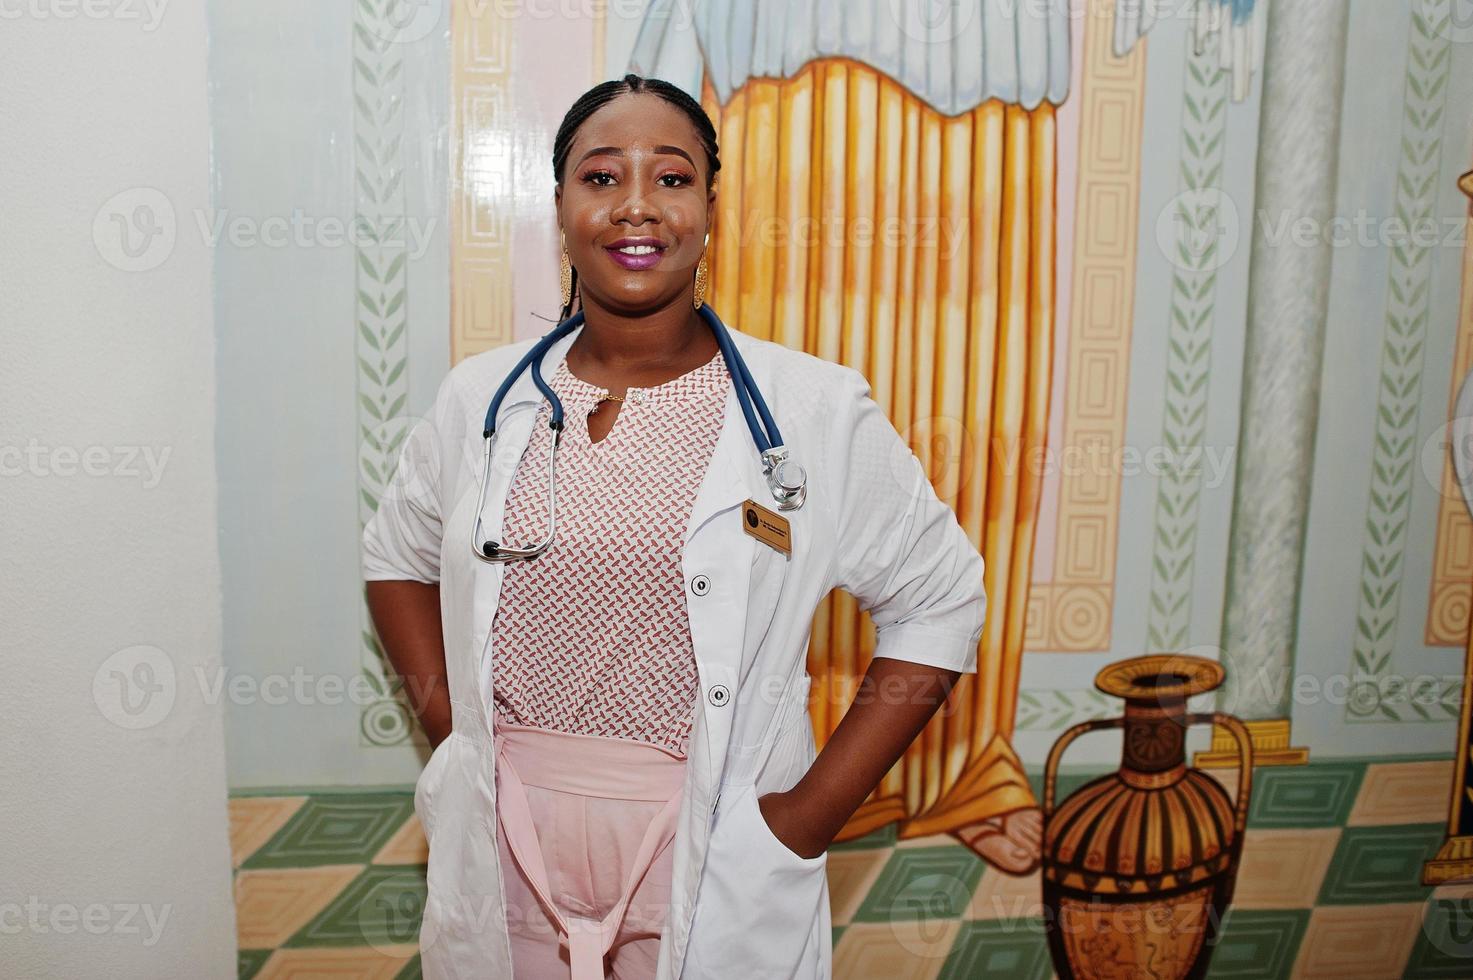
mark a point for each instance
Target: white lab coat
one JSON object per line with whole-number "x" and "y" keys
{"x": 742, "y": 904}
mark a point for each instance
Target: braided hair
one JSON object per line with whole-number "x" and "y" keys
{"x": 601, "y": 95}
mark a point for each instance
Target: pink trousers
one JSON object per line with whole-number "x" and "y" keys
{"x": 586, "y": 823}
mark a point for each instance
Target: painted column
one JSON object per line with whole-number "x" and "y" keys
{"x": 1298, "y": 142}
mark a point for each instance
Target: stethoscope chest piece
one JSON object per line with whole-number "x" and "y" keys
{"x": 786, "y": 478}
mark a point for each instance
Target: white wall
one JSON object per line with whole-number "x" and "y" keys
{"x": 114, "y": 855}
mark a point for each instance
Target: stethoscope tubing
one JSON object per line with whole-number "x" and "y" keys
{"x": 746, "y": 388}
{"x": 764, "y": 433}
{"x": 533, "y": 359}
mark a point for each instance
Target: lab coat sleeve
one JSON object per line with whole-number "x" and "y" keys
{"x": 402, "y": 539}
{"x": 900, "y": 550}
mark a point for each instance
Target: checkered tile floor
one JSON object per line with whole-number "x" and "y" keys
{"x": 332, "y": 885}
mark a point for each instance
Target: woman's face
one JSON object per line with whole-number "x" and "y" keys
{"x": 633, "y": 205}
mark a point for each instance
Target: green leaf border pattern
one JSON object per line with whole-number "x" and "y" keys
{"x": 1188, "y": 350}
{"x": 381, "y": 293}
{"x": 1046, "y": 711}
{"x": 1375, "y": 694}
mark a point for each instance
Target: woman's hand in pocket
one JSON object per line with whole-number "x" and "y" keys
{"x": 783, "y": 812}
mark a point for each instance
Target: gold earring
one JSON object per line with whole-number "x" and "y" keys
{"x": 565, "y": 275}
{"x": 702, "y": 276}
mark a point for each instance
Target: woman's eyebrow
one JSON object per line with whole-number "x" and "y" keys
{"x": 615, "y": 151}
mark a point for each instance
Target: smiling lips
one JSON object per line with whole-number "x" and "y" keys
{"x": 636, "y": 253}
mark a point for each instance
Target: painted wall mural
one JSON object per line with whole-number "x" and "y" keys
{"x": 1156, "y": 322}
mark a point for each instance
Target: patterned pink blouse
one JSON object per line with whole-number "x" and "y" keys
{"x": 593, "y": 637}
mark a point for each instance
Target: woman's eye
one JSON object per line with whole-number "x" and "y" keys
{"x": 596, "y": 177}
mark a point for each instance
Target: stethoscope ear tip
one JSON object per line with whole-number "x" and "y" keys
{"x": 489, "y": 549}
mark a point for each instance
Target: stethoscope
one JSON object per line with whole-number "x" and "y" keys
{"x": 786, "y": 478}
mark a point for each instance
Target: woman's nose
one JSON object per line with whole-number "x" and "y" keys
{"x": 635, "y": 207}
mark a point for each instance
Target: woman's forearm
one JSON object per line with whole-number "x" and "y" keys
{"x": 407, "y": 616}
{"x": 895, "y": 701}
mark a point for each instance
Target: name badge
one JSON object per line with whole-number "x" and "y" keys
{"x": 767, "y": 526}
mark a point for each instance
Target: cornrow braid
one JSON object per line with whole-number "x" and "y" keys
{"x": 601, "y": 95}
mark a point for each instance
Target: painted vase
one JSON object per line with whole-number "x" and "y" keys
{"x": 1139, "y": 865}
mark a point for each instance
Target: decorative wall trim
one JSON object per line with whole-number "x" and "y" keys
{"x": 482, "y": 181}
{"x": 1190, "y": 320}
{"x": 1072, "y": 612}
{"x": 1049, "y": 711}
{"x": 1395, "y": 467}
{"x": 381, "y": 309}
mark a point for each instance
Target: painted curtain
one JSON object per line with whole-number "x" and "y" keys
{"x": 886, "y": 202}
{"x": 1236, "y": 28}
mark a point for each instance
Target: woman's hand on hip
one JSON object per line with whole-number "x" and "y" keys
{"x": 785, "y": 818}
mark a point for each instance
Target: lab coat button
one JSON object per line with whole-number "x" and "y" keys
{"x": 719, "y": 695}
{"x": 700, "y": 585}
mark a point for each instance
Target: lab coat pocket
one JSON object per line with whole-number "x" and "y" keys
{"x": 750, "y": 800}
{"x": 761, "y": 906}
{"x": 758, "y": 902}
